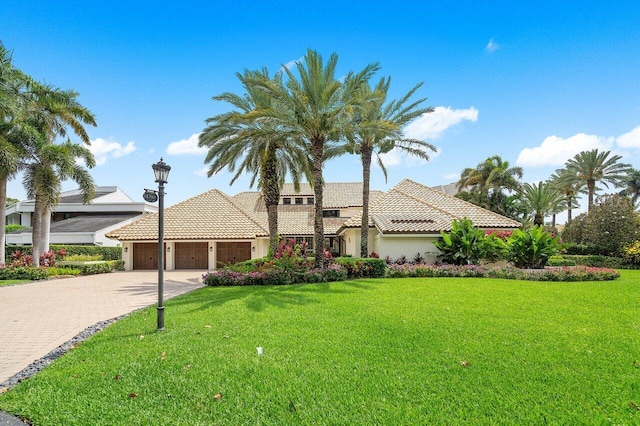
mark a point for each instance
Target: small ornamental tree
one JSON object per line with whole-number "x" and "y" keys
{"x": 611, "y": 224}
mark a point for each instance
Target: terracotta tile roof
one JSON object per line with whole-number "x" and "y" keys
{"x": 410, "y": 207}
{"x": 336, "y": 195}
{"x": 211, "y": 215}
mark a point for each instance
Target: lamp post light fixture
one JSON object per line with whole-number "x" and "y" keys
{"x": 161, "y": 172}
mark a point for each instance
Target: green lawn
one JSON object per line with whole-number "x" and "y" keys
{"x": 387, "y": 351}
{"x": 12, "y": 282}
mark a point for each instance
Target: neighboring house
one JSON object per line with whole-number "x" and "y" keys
{"x": 212, "y": 229}
{"x": 76, "y": 223}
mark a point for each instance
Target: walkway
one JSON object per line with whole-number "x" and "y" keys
{"x": 38, "y": 317}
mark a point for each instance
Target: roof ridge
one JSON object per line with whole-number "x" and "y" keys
{"x": 242, "y": 210}
{"x": 409, "y": 181}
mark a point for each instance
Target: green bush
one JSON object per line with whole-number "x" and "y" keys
{"x": 13, "y": 228}
{"x": 358, "y": 267}
{"x": 466, "y": 245}
{"x": 55, "y": 271}
{"x": 107, "y": 253}
{"x": 82, "y": 258}
{"x": 631, "y": 253}
{"x": 23, "y": 273}
{"x": 560, "y": 261}
{"x": 600, "y": 261}
{"x": 532, "y": 248}
{"x": 582, "y": 249}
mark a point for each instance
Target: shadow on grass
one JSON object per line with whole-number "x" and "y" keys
{"x": 258, "y": 298}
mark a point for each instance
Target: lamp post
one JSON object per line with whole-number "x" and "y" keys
{"x": 161, "y": 172}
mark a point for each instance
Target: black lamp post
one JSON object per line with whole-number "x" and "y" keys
{"x": 161, "y": 172}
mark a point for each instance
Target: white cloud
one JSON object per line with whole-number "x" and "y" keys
{"x": 289, "y": 65}
{"x": 555, "y": 151}
{"x": 103, "y": 150}
{"x": 630, "y": 139}
{"x": 492, "y": 46}
{"x": 397, "y": 157}
{"x": 452, "y": 176}
{"x": 201, "y": 172}
{"x": 186, "y": 146}
{"x": 433, "y": 125}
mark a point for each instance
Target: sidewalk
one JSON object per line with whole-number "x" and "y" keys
{"x": 38, "y": 317}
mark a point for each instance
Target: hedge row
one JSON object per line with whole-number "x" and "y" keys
{"x": 363, "y": 267}
{"x": 107, "y": 253}
{"x": 23, "y": 273}
{"x": 95, "y": 268}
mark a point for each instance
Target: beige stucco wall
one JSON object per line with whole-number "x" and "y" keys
{"x": 395, "y": 246}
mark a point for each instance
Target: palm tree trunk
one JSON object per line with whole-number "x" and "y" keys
{"x": 569, "y": 210}
{"x": 45, "y": 230}
{"x": 36, "y": 232}
{"x": 3, "y": 214}
{"x": 366, "y": 177}
{"x": 591, "y": 186}
{"x": 553, "y": 220}
{"x": 317, "y": 148}
{"x": 271, "y": 194}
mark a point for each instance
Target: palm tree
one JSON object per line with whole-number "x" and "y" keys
{"x": 540, "y": 200}
{"x": 243, "y": 137}
{"x": 593, "y": 166}
{"x": 377, "y": 128}
{"x": 632, "y": 186}
{"x": 314, "y": 109}
{"x": 47, "y": 115}
{"x": 487, "y": 183}
{"x": 568, "y": 184}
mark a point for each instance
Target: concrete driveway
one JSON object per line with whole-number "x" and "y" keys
{"x": 38, "y": 317}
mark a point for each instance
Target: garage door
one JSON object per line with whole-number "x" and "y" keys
{"x": 229, "y": 253}
{"x": 192, "y": 255}
{"x": 145, "y": 256}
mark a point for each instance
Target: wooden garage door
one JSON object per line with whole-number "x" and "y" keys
{"x": 192, "y": 255}
{"x": 145, "y": 256}
{"x": 232, "y": 253}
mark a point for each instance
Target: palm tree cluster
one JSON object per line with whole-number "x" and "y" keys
{"x": 35, "y": 121}
{"x": 495, "y": 186}
{"x": 288, "y": 125}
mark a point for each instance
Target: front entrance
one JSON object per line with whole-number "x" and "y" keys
{"x": 145, "y": 256}
{"x": 192, "y": 255}
{"x": 230, "y": 253}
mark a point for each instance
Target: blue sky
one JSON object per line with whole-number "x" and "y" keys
{"x": 534, "y": 83}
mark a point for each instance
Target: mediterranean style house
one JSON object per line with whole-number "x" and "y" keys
{"x": 76, "y": 223}
{"x": 213, "y": 229}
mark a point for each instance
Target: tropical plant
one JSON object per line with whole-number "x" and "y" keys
{"x": 377, "y": 129}
{"x": 242, "y": 141}
{"x": 570, "y": 186}
{"x": 489, "y": 184}
{"x": 532, "y": 248}
{"x": 314, "y": 108}
{"x": 540, "y": 199}
{"x": 632, "y": 186}
{"x": 465, "y": 244}
{"x": 594, "y": 166}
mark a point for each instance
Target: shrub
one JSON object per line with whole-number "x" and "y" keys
{"x": 55, "y": 271}
{"x": 14, "y": 228}
{"x": 560, "y": 261}
{"x": 82, "y": 258}
{"x": 596, "y": 260}
{"x": 107, "y": 253}
{"x": 531, "y": 248}
{"x": 418, "y": 258}
{"x": 574, "y": 230}
{"x": 23, "y": 273}
{"x": 631, "y": 253}
{"x": 466, "y": 245}
{"x": 358, "y": 267}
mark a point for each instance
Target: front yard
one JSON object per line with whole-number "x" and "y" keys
{"x": 376, "y": 351}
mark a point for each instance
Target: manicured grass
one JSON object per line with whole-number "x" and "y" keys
{"x": 12, "y": 282}
{"x": 385, "y": 351}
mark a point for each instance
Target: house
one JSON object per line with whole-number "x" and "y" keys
{"x": 76, "y": 223}
{"x": 213, "y": 228}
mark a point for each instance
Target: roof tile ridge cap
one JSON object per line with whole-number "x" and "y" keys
{"x": 242, "y": 210}
{"x": 409, "y": 182}
{"x": 372, "y": 204}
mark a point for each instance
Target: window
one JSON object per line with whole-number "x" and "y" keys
{"x": 310, "y": 200}
{"x": 331, "y": 213}
{"x": 286, "y": 200}
{"x": 298, "y": 200}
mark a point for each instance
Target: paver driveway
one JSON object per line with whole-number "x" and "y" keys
{"x": 38, "y": 317}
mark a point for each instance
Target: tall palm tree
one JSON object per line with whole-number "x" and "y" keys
{"x": 243, "y": 137}
{"x": 487, "y": 184}
{"x": 377, "y": 128}
{"x": 48, "y": 115}
{"x": 568, "y": 184}
{"x": 314, "y": 107}
{"x": 540, "y": 199}
{"x": 594, "y": 166}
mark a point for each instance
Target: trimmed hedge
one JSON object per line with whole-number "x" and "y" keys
{"x": 560, "y": 261}
{"x": 596, "y": 260}
{"x": 23, "y": 273}
{"x": 93, "y": 268}
{"x": 107, "y": 253}
{"x": 358, "y": 267}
